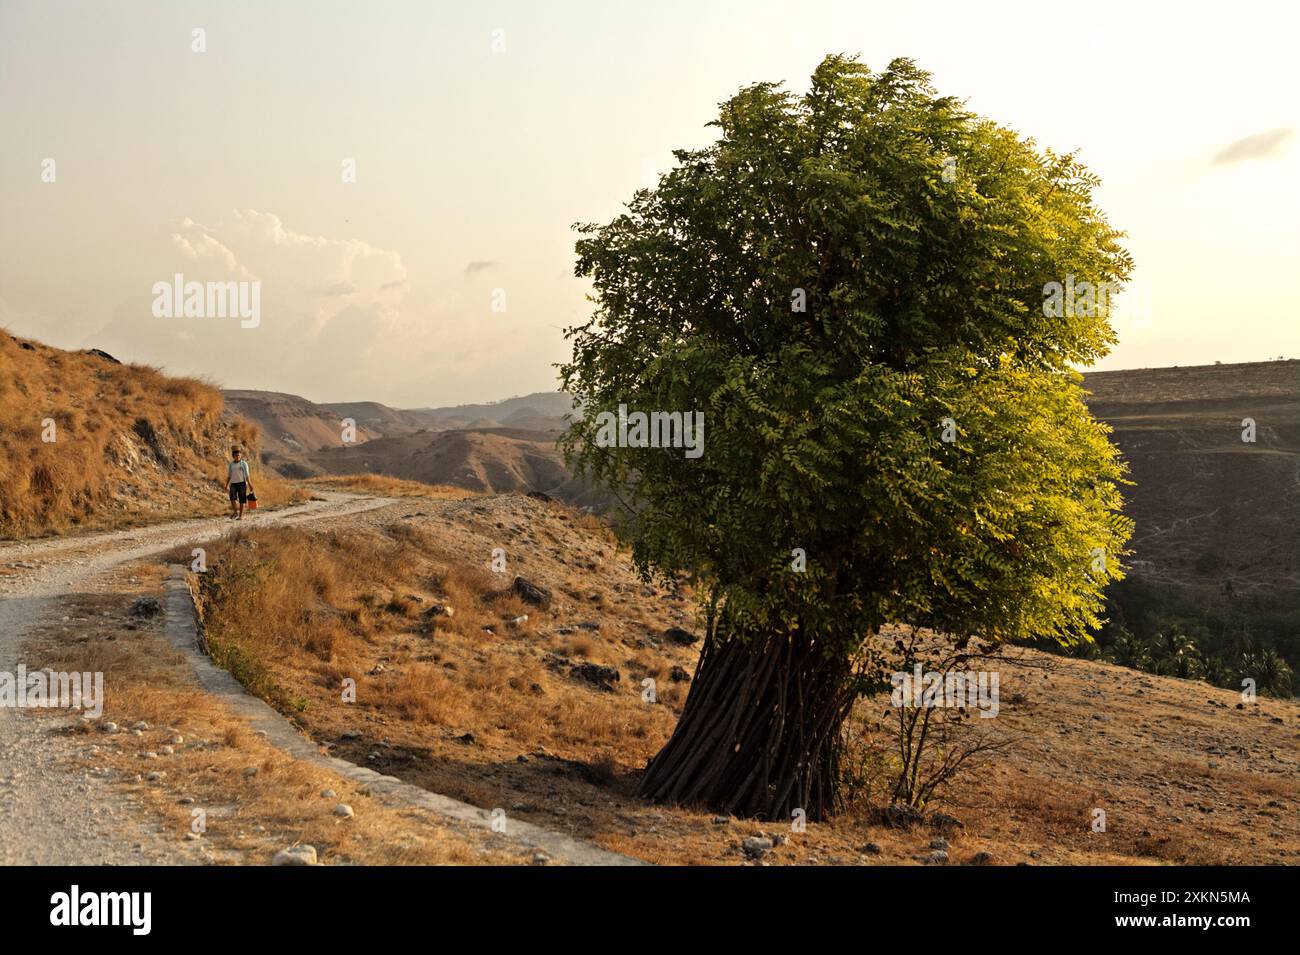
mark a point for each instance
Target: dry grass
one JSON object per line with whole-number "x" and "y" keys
{"x": 389, "y": 487}
{"x": 332, "y": 606}
{"x": 496, "y": 718}
{"x": 248, "y": 817}
{"x": 129, "y": 443}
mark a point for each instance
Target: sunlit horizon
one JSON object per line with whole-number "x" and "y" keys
{"x": 443, "y": 273}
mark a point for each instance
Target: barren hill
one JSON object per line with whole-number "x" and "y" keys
{"x": 494, "y": 460}
{"x": 541, "y": 411}
{"x": 380, "y": 420}
{"x": 87, "y": 441}
{"x": 514, "y": 448}
{"x": 291, "y": 426}
{"x": 1208, "y": 505}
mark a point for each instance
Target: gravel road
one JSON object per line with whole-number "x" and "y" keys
{"x": 53, "y": 812}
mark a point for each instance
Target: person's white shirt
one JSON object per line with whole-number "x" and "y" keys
{"x": 237, "y": 472}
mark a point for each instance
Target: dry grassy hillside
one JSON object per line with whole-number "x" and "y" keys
{"x": 86, "y": 441}
{"x": 471, "y": 684}
{"x": 1208, "y": 506}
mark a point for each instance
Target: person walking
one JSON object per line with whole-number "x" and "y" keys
{"x": 239, "y": 483}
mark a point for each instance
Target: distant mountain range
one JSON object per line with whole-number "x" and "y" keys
{"x": 1208, "y": 506}
{"x": 503, "y": 446}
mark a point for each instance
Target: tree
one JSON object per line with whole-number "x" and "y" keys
{"x": 849, "y": 285}
{"x": 1173, "y": 653}
{"x": 1270, "y": 671}
{"x": 1127, "y": 650}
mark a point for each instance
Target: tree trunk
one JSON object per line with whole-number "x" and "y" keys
{"x": 760, "y": 732}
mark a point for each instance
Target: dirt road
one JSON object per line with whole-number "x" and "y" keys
{"x": 51, "y": 812}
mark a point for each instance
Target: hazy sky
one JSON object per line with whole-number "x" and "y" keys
{"x": 472, "y": 163}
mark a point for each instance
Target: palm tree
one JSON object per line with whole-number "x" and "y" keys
{"x": 1175, "y": 654}
{"x": 1127, "y": 650}
{"x": 1216, "y": 671}
{"x": 1272, "y": 674}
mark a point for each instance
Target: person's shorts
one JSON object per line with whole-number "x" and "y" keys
{"x": 240, "y": 491}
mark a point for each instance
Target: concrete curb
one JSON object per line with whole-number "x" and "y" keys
{"x": 182, "y": 630}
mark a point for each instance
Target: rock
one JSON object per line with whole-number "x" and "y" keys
{"x": 679, "y": 675}
{"x": 944, "y": 822}
{"x": 329, "y": 794}
{"x": 140, "y": 725}
{"x": 250, "y": 772}
{"x": 377, "y": 669}
{"x": 97, "y": 352}
{"x": 108, "y": 727}
{"x": 177, "y": 740}
{"x": 540, "y": 858}
{"x": 518, "y": 622}
{"x": 599, "y": 676}
{"x": 352, "y": 734}
{"x": 344, "y": 811}
{"x": 156, "y": 776}
{"x": 938, "y": 843}
{"x": 539, "y": 496}
{"x": 295, "y": 855}
{"x": 981, "y": 858}
{"x": 680, "y": 637}
{"x": 872, "y": 849}
{"x": 167, "y": 751}
{"x": 531, "y": 593}
{"x": 440, "y": 610}
{"x": 937, "y": 857}
{"x": 466, "y": 738}
{"x": 722, "y": 820}
{"x": 900, "y": 816}
{"x": 145, "y": 607}
{"x": 756, "y": 846}
{"x": 589, "y": 625}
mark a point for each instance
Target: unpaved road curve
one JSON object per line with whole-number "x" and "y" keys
{"x": 51, "y": 812}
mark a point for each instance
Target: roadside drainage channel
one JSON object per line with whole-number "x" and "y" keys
{"x": 181, "y": 627}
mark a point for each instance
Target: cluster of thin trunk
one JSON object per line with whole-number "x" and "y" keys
{"x": 760, "y": 734}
